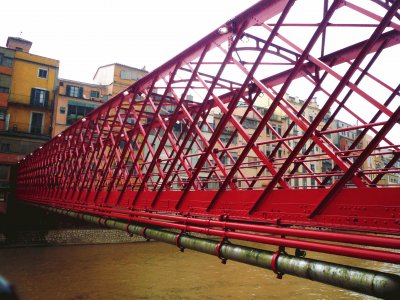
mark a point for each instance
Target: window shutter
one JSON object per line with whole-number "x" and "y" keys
{"x": 68, "y": 92}
{"x": 46, "y": 98}
{"x": 32, "y": 95}
{"x": 80, "y": 92}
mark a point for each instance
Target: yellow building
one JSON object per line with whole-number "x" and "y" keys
{"x": 33, "y": 85}
{"x": 117, "y": 77}
{"x": 74, "y": 100}
{"x": 27, "y": 89}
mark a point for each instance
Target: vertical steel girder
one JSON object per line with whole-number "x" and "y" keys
{"x": 217, "y": 133}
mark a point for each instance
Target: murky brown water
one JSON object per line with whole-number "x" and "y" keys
{"x": 153, "y": 271}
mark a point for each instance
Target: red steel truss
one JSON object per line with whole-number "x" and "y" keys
{"x": 213, "y": 141}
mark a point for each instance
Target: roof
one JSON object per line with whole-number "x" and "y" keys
{"x": 81, "y": 82}
{"x": 18, "y": 39}
{"x": 118, "y": 64}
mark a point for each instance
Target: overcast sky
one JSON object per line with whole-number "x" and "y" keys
{"x": 84, "y": 35}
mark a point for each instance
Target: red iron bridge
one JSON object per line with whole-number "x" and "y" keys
{"x": 213, "y": 142}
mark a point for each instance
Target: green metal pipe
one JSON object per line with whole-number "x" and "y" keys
{"x": 373, "y": 283}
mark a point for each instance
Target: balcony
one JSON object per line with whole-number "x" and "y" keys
{"x": 27, "y": 102}
{"x": 25, "y": 130}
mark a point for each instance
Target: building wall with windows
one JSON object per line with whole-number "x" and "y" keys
{"x": 27, "y": 88}
{"x": 31, "y": 99}
{"x": 117, "y": 77}
{"x": 74, "y": 100}
{"x": 321, "y": 162}
{"x": 344, "y": 140}
{"x": 6, "y": 65}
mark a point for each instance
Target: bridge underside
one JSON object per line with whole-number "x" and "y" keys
{"x": 212, "y": 141}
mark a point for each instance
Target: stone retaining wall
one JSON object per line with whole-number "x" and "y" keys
{"x": 66, "y": 237}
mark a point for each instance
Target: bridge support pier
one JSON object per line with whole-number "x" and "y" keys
{"x": 373, "y": 283}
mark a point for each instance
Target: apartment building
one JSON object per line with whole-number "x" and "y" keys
{"x": 76, "y": 99}
{"x": 27, "y": 91}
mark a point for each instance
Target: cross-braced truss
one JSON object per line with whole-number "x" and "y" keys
{"x": 217, "y": 133}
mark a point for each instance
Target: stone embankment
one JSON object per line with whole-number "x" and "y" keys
{"x": 66, "y": 237}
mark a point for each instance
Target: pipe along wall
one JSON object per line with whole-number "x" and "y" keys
{"x": 373, "y": 283}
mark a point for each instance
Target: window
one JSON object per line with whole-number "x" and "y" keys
{"x": 77, "y": 110}
{"x": 4, "y": 172}
{"x": 268, "y": 150}
{"x": 177, "y": 127}
{"x": 39, "y": 97}
{"x": 74, "y": 91}
{"x": 133, "y": 121}
{"x": 205, "y": 128}
{"x": 225, "y": 159}
{"x": 296, "y": 182}
{"x": 129, "y": 75}
{"x": 94, "y": 94}
{"x": 5, "y": 147}
{"x": 295, "y": 130}
{"x": 5, "y": 61}
{"x": 326, "y": 166}
{"x": 125, "y": 74}
{"x": 277, "y": 128}
{"x": 252, "y": 159}
{"x": 225, "y": 138}
{"x": 42, "y": 73}
{"x": 4, "y": 89}
{"x": 304, "y": 182}
{"x": 5, "y": 82}
{"x": 249, "y": 123}
{"x": 36, "y": 123}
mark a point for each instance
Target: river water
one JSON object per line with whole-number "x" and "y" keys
{"x": 152, "y": 270}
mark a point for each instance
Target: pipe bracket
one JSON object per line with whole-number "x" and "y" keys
{"x": 274, "y": 260}
{"x": 143, "y": 233}
{"x": 178, "y": 237}
{"x": 218, "y": 249}
{"x": 127, "y": 229}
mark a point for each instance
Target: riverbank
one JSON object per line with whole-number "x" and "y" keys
{"x": 61, "y": 237}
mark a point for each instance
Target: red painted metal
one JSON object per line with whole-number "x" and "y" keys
{"x": 176, "y": 149}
